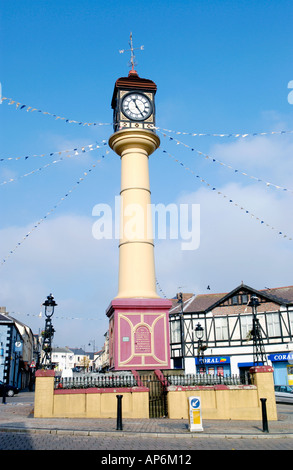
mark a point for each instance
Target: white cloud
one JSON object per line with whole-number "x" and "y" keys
{"x": 234, "y": 245}
{"x": 61, "y": 257}
{"x": 266, "y": 157}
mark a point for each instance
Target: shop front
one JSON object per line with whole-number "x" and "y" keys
{"x": 213, "y": 365}
{"x": 244, "y": 370}
{"x": 283, "y": 368}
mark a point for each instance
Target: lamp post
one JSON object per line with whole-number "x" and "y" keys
{"x": 93, "y": 343}
{"x": 180, "y": 301}
{"x": 259, "y": 356}
{"x": 48, "y": 333}
{"x": 199, "y": 331}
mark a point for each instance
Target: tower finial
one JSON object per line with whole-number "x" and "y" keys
{"x": 132, "y": 62}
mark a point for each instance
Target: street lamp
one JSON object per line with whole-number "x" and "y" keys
{"x": 48, "y": 332}
{"x": 93, "y": 343}
{"x": 50, "y": 305}
{"x": 199, "y": 332}
{"x": 259, "y": 356}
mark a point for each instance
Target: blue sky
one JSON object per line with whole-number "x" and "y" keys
{"x": 221, "y": 67}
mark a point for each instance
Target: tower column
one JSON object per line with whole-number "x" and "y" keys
{"x": 136, "y": 249}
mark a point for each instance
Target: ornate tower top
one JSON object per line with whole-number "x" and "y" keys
{"x": 133, "y": 100}
{"x": 132, "y": 62}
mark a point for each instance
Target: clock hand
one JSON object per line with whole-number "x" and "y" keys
{"x": 137, "y": 107}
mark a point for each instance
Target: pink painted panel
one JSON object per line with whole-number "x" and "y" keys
{"x": 160, "y": 349}
{"x": 125, "y": 338}
{"x": 140, "y": 337}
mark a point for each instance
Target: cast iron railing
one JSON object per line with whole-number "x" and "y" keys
{"x": 123, "y": 381}
{"x": 207, "y": 379}
{"x": 95, "y": 381}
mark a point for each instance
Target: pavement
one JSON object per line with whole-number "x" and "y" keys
{"x": 19, "y": 417}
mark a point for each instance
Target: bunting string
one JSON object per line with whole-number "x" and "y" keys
{"x": 30, "y": 109}
{"x": 160, "y": 289}
{"x": 238, "y": 135}
{"x": 77, "y": 151}
{"x": 214, "y": 160}
{"x": 220, "y": 193}
{"x": 11, "y": 180}
{"x": 40, "y": 315}
{"x": 44, "y": 218}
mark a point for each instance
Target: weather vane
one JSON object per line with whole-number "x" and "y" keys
{"x": 132, "y": 62}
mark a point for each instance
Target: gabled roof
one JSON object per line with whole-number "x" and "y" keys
{"x": 78, "y": 351}
{"x": 206, "y": 302}
{"x": 21, "y": 324}
{"x": 282, "y": 294}
{"x": 177, "y": 307}
{"x": 5, "y": 318}
{"x": 62, "y": 350}
{"x": 248, "y": 289}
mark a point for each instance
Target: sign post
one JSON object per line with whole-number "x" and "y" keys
{"x": 195, "y": 420}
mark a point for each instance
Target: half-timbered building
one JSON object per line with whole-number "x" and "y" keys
{"x": 227, "y": 343}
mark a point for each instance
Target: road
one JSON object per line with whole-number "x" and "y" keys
{"x": 135, "y": 446}
{"x": 21, "y": 397}
{"x": 26, "y": 441}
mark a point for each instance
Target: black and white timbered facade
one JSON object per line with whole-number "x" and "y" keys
{"x": 227, "y": 343}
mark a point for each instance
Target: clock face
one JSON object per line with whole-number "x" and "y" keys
{"x": 136, "y": 106}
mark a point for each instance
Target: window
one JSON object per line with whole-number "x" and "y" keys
{"x": 274, "y": 328}
{"x": 177, "y": 362}
{"x": 175, "y": 332}
{"x": 235, "y": 300}
{"x": 220, "y": 371}
{"x": 244, "y": 299}
{"x": 221, "y": 325}
{"x": 246, "y": 325}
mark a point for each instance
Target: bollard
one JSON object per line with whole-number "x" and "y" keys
{"x": 119, "y": 412}
{"x": 265, "y": 427}
{"x": 4, "y": 395}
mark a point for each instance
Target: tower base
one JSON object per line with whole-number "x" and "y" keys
{"x": 139, "y": 334}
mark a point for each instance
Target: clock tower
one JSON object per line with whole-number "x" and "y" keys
{"x": 138, "y": 317}
{"x": 133, "y": 103}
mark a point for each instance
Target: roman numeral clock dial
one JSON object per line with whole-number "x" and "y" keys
{"x": 136, "y": 106}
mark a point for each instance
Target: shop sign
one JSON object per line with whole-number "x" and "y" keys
{"x": 285, "y": 357}
{"x": 217, "y": 360}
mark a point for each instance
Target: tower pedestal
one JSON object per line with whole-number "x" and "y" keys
{"x": 139, "y": 334}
